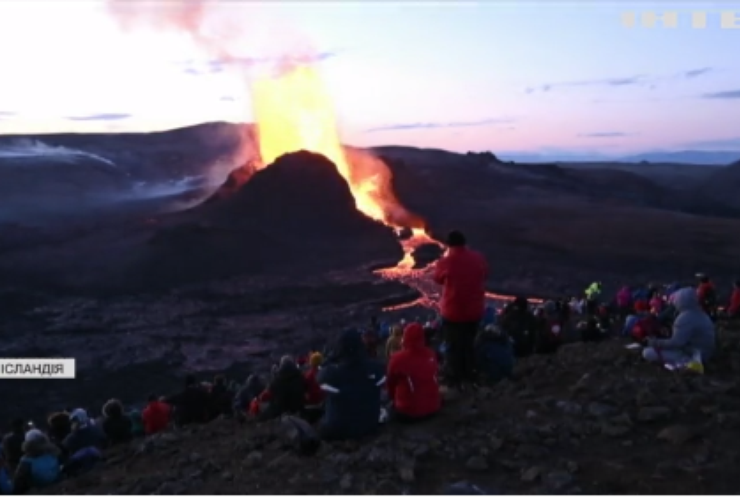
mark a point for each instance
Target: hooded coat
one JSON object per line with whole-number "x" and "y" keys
{"x": 352, "y": 382}
{"x": 156, "y": 417}
{"x": 692, "y": 329}
{"x": 412, "y": 376}
{"x": 39, "y": 466}
{"x": 84, "y": 435}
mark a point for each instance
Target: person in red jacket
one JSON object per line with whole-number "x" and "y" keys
{"x": 156, "y": 416}
{"x": 462, "y": 272}
{"x": 412, "y": 378}
{"x": 707, "y": 295}
{"x": 733, "y": 310}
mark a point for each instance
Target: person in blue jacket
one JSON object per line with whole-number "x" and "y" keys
{"x": 495, "y": 354}
{"x": 39, "y": 467}
{"x": 352, "y": 382}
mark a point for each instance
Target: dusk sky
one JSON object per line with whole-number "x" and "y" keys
{"x": 489, "y": 75}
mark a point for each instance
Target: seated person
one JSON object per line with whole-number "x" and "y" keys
{"x": 220, "y": 398}
{"x": 116, "y": 424}
{"x": 352, "y": 382}
{"x": 39, "y": 466}
{"x": 371, "y": 340}
{"x": 59, "y": 426}
{"x": 693, "y": 331}
{"x": 519, "y": 323}
{"x": 393, "y": 344}
{"x": 412, "y": 378}
{"x": 191, "y": 404}
{"x": 252, "y": 389}
{"x": 494, "y": 354}
{"x": 84, "y": 434}
{"x": 549, "y": 331}
{"x": 314, "y": 407}
{"x": 155, "y": 416}
{"x": 642, "y": 309}
{"x": 286, "y": 393}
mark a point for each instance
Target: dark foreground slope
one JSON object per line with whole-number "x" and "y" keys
{"x": 593, "y": 419}
{"x": 295, "y": 217}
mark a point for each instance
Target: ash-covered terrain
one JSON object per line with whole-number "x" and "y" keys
{"x": 142, "y": 257}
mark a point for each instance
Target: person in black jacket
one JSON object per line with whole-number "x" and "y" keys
{"x": 13, "y": 443}
{"x": 191, "y": 405}
{"x": 116, "y": 425}
{"x": 352, "y": 382}
{"x": 286, "y": 392}
{"x": 220, "y": 398}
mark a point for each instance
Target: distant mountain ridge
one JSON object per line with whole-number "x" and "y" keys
{"x": 707, "y": 157}
{"x": 696, "y": 157}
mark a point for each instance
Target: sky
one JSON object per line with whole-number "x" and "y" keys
{"x": 526, "y": 76}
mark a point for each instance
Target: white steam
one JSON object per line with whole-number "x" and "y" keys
{"x": 34, "y": 149}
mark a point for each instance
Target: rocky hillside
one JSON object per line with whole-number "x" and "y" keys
{"x": 593, "y": 419}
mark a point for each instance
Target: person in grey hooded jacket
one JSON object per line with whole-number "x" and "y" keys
{"x": 693, "y": 330}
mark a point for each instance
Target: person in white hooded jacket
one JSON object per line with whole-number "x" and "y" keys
{"x": 693, "y": 331}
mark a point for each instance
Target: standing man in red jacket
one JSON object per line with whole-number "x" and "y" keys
{"x": 463, "y": 273}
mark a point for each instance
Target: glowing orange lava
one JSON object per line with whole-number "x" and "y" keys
{"x": 293, "y": 112}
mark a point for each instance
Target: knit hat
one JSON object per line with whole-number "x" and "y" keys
{"x": 34, "y": 434}
{"x": 315, "y": 359}
{"x": 79, "y": 416}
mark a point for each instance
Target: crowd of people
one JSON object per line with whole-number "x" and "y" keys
{"x": 386, "y": 372}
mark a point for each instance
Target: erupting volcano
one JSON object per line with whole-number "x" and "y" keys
{"x": 293, "y": 112}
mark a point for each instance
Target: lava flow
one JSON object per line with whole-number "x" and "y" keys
{"x": 293, "y": 112}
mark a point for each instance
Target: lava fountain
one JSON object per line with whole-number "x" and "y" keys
{"x": 293, "y": 112}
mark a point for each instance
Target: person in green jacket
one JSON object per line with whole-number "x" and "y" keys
{"x": 593, "y": 292}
